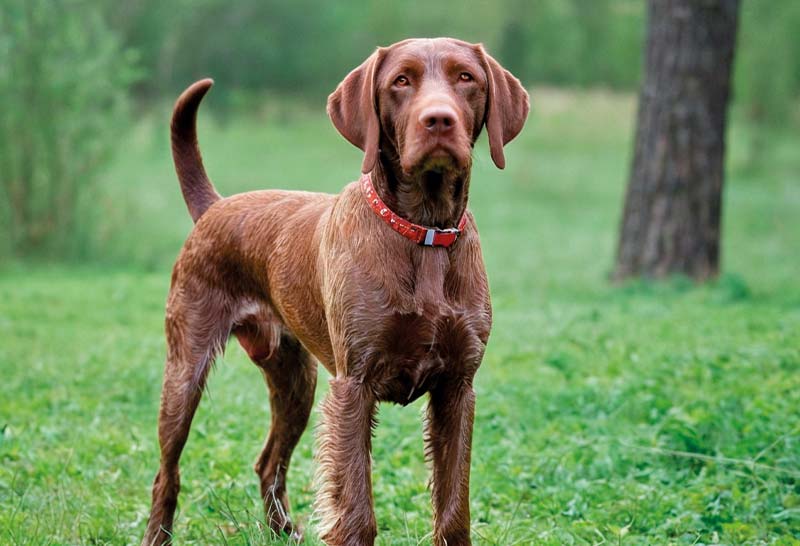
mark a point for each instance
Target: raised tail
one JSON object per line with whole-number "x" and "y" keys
{"x": 197, "y": 189}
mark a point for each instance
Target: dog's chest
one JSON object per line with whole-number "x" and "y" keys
{"x": 414, "y": 351}
{"x": 425, "y": 333}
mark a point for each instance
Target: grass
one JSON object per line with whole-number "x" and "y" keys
{"x": 639, "y": 414}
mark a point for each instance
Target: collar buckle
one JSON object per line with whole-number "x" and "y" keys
{"x": 441, "y": 237}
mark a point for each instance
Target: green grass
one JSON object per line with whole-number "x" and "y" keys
{"x": 639, "y": 414}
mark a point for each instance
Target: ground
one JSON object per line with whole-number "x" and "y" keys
{"x": 639, "y": 414}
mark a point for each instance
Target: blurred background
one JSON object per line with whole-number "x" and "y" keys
{"x": 637, "y": 413}
{"x": 86, "y": 86}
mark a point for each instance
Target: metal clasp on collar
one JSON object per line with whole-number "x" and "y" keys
{"x": 431, "y": 234}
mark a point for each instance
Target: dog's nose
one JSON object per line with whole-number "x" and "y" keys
{"x": 438, "y": 119}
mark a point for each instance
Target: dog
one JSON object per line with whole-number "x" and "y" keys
{"x": 384, "y": 284}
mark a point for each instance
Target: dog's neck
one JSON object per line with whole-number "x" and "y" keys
{"x": 427, "y": 198}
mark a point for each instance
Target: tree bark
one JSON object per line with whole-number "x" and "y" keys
{"x": 671, "y": 221}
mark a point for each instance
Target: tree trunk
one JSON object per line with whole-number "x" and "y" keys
{"x": 671, "y": 222}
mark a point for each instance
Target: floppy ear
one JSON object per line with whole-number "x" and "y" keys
{"x": 507, "y": 106}
{"x": 353, "y": 111}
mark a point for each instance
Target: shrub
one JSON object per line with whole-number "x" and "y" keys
{"x": 63, "y": 90}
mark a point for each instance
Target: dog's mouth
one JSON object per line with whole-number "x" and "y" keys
{"x": 432, "y": 180}
{"x": 439, "y": 160}
{"x": 436, "y": 160}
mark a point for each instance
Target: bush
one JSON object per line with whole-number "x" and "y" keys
{"x": 63, "y": 90}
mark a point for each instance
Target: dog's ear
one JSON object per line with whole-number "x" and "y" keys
{"x": 353, "y": 110}
{"x": 507, "y": 106}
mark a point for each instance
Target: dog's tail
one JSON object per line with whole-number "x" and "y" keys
{"x": 197, "y": 189}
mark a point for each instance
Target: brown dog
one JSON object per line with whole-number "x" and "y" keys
{"x": 391, "y": 308}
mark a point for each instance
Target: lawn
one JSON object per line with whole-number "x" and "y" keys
{"x": 639, "y": 414}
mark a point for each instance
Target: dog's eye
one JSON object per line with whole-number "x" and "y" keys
{"x": 465, "y": 77}
{"x": 401, "y": 81}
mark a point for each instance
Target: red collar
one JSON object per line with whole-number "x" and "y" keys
{"x": 419, "y": 234}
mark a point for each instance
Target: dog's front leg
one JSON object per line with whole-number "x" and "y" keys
{"x": 449, "y": 440}
{"x": 345, "y": 498}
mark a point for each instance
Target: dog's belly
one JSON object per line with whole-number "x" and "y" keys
{"x": 414, "y": 352}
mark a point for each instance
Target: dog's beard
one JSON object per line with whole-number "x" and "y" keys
{"x": 445, "y": 156}
{"x": 433, "y": 192}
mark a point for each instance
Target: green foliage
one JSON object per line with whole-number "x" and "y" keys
{"x": 645, "y": 414}
{"x": 306, "y": 47}
{"x": 63, "y": 79}
{"x": 303, "y": 48}
{"x": 575, "y": 43}
{"x": 768, "y": 61}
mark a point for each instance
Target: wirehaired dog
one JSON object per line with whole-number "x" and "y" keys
{"x": 384, "y": 284}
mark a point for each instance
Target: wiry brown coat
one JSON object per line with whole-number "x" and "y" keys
{"x": 301, "y": 276}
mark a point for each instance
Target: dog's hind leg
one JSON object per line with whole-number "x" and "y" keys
{"x": 197, "y": 326}
{"x": 291, "y": 376}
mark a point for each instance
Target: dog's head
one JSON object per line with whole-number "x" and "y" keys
{"x": 429, "y": 100}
